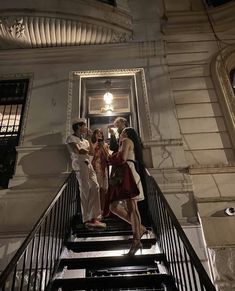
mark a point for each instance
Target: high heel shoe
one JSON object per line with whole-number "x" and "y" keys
{"x": 135, "y": 246}
{"x": 146, "y": 232}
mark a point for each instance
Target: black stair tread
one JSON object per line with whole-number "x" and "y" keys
{"x": 96, "y": 233}
{"x": 111, "y": 261}
{"x": 146, "y": 280}
{"x": 106, "y": 245}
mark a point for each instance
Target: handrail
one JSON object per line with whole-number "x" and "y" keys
{"x": 184, "y": 264}
{"x": 34, "y": 262}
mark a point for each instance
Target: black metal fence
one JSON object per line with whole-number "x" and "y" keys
{"x": 184, "y": 264}
{"x": 32, "y": 266}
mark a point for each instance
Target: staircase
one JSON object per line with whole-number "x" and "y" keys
{"x": 95, "y": 260}
{"x": 60, "y": 254}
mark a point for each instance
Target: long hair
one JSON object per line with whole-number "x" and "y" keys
{"x": 93, "y": 137}
{"x": 140, "y": 168}
{"x": 132, "y": 135}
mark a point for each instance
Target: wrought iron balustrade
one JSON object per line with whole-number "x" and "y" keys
{"x": 32, "y": 266}
{"x": 184, "y": 264}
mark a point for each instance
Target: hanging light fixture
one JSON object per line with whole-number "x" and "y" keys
{"x": 108, "y": 96}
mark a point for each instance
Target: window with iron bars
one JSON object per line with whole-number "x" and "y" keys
{"x": 12, "y": 101}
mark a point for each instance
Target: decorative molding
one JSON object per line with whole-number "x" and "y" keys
{"x": 215, "y": 199}
{"x": 211, "y": 169}
{"x": 33, "y": 32}
{"x": 13, "y": 27}
{"x": 68, "y": 24}
{"x": 221, "y": 66}
{"x": 163, "y": 142}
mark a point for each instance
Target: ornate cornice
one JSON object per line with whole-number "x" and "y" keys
{"x": 67, "y": 24}
{"x": 221, "y": 66}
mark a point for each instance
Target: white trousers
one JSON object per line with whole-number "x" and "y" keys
{"x": 89, "y": 192}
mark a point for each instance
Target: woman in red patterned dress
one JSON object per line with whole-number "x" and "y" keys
{"x": 99, "y": 163}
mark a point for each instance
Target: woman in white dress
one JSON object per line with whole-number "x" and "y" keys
{"x": 125, "y": 187}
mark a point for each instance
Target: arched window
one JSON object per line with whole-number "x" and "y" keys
{"x": 223, "y": 69}
{"x": 232, "y": 79}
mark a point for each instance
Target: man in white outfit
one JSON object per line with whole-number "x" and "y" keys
{"x": 80, "y": 149}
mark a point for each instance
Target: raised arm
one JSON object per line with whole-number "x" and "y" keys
{"x": 76, "y": 149}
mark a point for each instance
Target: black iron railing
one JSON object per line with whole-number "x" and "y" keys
{"x": 32, "y": 266}
{"x": 184, "y": 264}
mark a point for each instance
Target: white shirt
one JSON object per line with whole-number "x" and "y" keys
{"x": 78, "y": 160}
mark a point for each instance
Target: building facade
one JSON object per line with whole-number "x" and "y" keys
{"x": 170, "y": 65}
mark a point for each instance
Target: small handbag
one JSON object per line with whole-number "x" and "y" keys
{"x": 116, "y": 177}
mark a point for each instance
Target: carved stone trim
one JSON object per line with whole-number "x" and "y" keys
{"x": 27, "y": 102}
{"x": 77, "y": 23}
{"x": 12, "y": 27}
{"x": 221, "y": 66}
{"x": 77, "y": 75}
{"x": 31, "y": 32}
{"x": 164, "y": 142}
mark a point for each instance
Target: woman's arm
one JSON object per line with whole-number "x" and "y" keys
{"x": 125, "y": 147}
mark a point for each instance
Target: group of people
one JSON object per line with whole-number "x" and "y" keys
{"x": 118, "y": 192}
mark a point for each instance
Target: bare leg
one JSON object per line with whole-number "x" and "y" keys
{"x": 102, "y": 198}
{"x": 120, "y": 210}
{"x": 134, "y": 217}
{"x": 125, "y": 212}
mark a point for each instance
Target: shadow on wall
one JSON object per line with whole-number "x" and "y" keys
{"x": 51, "y": 159}
{"x": 189, "y": 209}
{"x": 8, "y": 248}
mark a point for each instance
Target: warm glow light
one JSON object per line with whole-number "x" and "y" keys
{"x": 108, "y": 98}
{"x": 233, "y": 81}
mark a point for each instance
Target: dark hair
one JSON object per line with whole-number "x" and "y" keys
{"x": 133, "y": 135}
{"x": 93, "y": 137}
{"x": 76, "y": 126}
{"x": 139, "y": 164}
